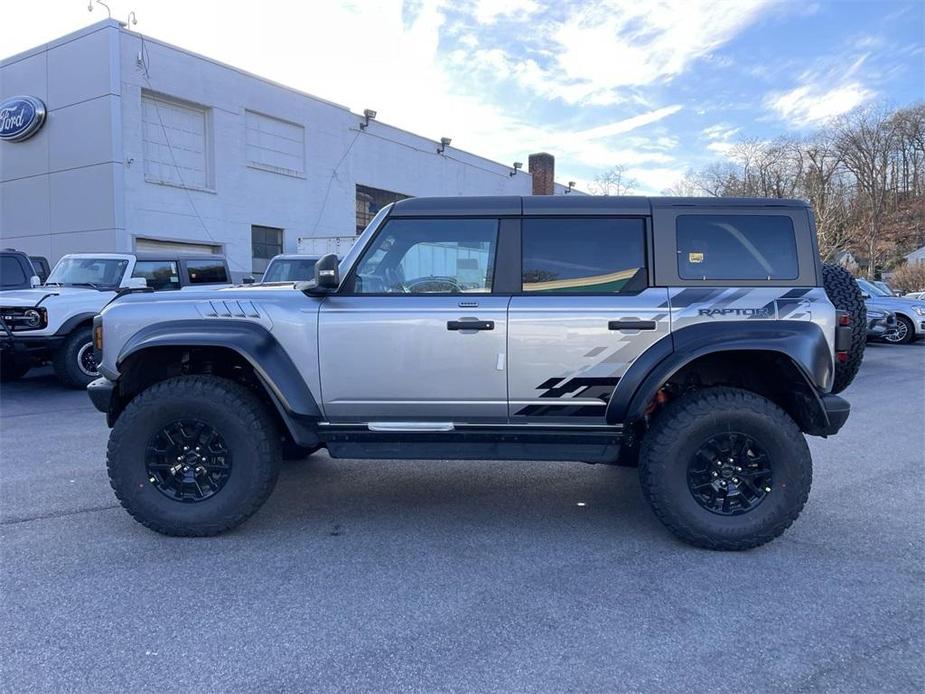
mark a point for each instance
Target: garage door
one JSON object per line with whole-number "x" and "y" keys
{"x": 143, "y": 244}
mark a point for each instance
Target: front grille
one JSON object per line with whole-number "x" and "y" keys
{"x": 19, "y": 318}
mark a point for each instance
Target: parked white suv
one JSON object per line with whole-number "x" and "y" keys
{"x": 54, "y": 322}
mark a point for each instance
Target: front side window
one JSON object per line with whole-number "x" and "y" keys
{"x": 430, "y": 256}
{"x": 206, "y": 272}
{"x": 574, "y": 255}
{"x": 88, "y": 272}
{"x": 159, "y": 274}
{"x": 736, "y": 247}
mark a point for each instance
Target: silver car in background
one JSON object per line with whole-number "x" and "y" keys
{"x": 910, "y": 313}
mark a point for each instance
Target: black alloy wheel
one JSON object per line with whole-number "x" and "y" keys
{"x": 188, "y": 461}
{"x": 730, "y": 474}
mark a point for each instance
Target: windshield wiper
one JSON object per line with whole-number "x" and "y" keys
{"x": 85, "y": 284}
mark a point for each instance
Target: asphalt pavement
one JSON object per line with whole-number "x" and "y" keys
{"x": 378, "y": 576}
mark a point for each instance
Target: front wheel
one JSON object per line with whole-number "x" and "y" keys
{"x": 74, "y": 363}
{"x": 904, "y": 333}
{"x": 193, "y": 456}
{"x": 725, "y": 469}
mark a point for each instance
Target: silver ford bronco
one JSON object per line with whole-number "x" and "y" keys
{"x": 698, "y": 339}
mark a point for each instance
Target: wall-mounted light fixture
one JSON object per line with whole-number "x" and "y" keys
{"x": 571, "y": 185}
{"x": 368, "y": 115}
{"x": 444, "y": 143}
{"x": 518, "y": 165}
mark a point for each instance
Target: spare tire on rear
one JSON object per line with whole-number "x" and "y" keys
{"x": 846, "y": 295}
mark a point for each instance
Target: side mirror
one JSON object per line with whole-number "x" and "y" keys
{"x": 248, "y": 280}
{"x": 136, "y": 283}
{"x": 327, "y": 275}
{"x": 34, "y": 281}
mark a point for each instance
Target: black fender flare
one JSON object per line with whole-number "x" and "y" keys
{"x": 68, "y": 326}
{"x": 802, "y": 342}
{"x": 251, "y": 341}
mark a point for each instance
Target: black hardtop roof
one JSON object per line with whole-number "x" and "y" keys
{"x": 509, "y": 205}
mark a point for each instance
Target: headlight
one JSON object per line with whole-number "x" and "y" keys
{"x": 32, "y": 318}
{"x": 919, "y": 310}
{"x": 875, "y": 314}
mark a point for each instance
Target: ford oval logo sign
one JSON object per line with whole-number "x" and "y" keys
{"x": 21, "y": 117}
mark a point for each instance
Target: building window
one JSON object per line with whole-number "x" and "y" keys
{"x": 266, "y": 242}
{"x": 176, "y": 143}
{"x": 370, "y": 201}
{"x": 274, "y": 145}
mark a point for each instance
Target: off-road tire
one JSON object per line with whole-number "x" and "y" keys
{"x": 678, "y": 433}
{"x": 846, "y": 295}
{"x": 65, "y": 359}
{"x": 12, "y": 370}
{"x": 907, "y": 337}
{"x": 236, "y": 413}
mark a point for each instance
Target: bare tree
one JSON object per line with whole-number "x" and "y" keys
{"x": 864, "y": 139}
{"x": 614, "y": 181}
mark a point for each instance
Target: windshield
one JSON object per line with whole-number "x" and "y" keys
{"x": 290, "y": 270}
{"x": 871, "y": 289}
{"x": 88, "y": 272}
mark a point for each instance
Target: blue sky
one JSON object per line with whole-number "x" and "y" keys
{"x": 657, "y": 86}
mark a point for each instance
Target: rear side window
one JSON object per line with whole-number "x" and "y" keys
{"x": 206, "y": 272}
{"x": 160, "y": 274}
{"x": 11, "y": 272}
{"x": 582, "y": 255}
{"x": 736, "y": 247}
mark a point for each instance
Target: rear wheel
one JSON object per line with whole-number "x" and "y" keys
{"x": 846, "y": 295}
{"x": 74, "y": 363}
{"x": 193, "y": 456}
{"x": 904, "y": 333}
{"x": 725, "y": 469}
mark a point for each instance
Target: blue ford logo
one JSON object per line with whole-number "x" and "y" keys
{"x": 20, "y": 118}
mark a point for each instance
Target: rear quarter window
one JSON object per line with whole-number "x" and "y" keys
{"x": 206, "y": 272}
{"x": 736, "y": 247}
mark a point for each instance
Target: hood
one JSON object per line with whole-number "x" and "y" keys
{"x": 31, "y": 297}
{"x": 894, "y": 303}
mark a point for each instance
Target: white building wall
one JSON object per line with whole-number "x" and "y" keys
{"x": 92, "y": 180}
{"x": 60, "y": 190}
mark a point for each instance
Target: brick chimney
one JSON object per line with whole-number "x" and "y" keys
{"x": 543, "y": 169}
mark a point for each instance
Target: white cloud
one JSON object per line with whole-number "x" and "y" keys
{"x": 617, "y": 44}
{"x": 815, "y": 103}
{"x": 488, "y": 11}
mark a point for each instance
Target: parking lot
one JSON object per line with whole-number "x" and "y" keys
{"x": 458, "y": 576}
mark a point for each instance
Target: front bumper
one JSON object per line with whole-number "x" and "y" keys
{"x": 101, "y": 392}
{"x": 878, "y": 327}
{"x": 24, "y": 346}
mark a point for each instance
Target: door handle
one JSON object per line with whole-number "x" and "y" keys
{"x": 631, "y": 325}
{"x": 470, "y": 325}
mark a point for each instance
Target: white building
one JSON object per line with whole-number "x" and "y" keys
{"x": 146, "y": 145}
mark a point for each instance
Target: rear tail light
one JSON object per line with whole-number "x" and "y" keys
{"x": 844, "y": 319}
{"x": 842, "y": 357}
